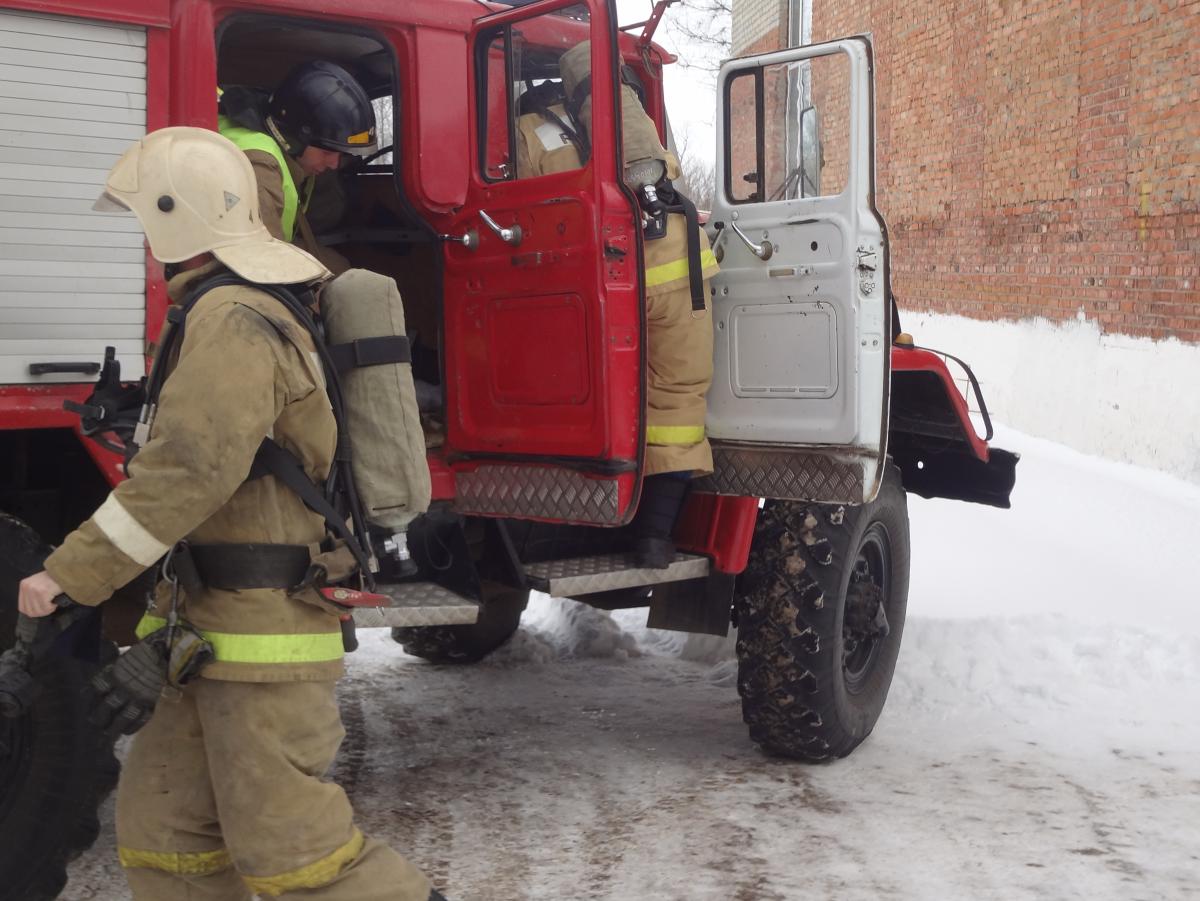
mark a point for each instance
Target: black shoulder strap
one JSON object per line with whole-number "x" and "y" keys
{"x": 341, "y": 478}
{"x": 678, "y": 203}
{"x": 695, "y": 269}
{"x": 575, "y": 134}
{"x": 574, "y": 108}
{"x": 271, "y": 458}
{"x": 582, "y": 92}
{"x": 177, "y": 317}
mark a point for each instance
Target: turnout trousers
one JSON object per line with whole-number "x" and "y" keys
{"x": 680, "y": 350}
{"x": 222, "y": 798}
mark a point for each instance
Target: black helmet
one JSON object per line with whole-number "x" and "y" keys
{"x": 320, "y": 104}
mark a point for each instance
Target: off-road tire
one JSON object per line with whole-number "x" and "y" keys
{"x": 55, "y": 768}
{"x": 814, "y": 664}
{"x": 499, "y": 618}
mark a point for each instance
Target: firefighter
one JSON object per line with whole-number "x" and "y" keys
{"x": 222, "y": 794}
{"x": 554, "y": 136}
{"x": 317, "y": 116}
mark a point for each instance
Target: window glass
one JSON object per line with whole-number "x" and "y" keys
{"x": 529, "y": 127}
{"x": 788, "y": 130}
{"x": 383, "y": 129}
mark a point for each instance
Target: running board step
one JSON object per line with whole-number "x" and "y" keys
{"x": 606, "y": 572}
{"x": 418, "y": 604}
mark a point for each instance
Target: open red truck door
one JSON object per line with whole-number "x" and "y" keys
{"x": 542, "y": 309}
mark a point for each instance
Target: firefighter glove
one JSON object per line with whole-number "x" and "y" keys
{"x": 128, "y": 688}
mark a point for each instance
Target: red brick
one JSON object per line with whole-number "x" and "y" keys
{"x": 1036, "y": 156}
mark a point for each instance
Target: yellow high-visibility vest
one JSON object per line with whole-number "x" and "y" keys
{"x": 246, "y": 139}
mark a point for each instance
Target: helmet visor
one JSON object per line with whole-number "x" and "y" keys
{"x": 107, "y": 203}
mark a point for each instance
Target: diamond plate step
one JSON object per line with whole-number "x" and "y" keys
{"x": 605, "y": 572}
{"x": 418, "y": 604}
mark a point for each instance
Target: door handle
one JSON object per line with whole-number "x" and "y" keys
{"x": 763, "y": 251}
{"x": 508, "y": 234}
{"x": 57, "y": 368}
{"x": 469, "y": 240}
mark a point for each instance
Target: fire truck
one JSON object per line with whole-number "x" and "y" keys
{"x": 525, "y": 301}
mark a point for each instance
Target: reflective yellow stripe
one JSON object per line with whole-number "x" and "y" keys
{"x": 246, "y": 139}
{"x": 668, "y": 272}
{"x": 674, "y": 434}
{"x": 178, "y": 863}
{"x": 314, "y": 875}
{"x": 234, "y": 647}
{"x": 147, "y": 624}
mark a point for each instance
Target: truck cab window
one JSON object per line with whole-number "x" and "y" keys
{"x": 535, "y": 96}
{"x": 788, "y": 131}
{"x": 356, "y": 215}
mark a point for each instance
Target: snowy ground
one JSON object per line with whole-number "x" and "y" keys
{"x": 1041, "y": 739}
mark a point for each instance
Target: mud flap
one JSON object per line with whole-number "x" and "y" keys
{"x": 957, "y": 474}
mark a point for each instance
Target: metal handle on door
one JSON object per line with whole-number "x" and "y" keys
{"x": 763, "y": 251}
{"x": 509, "y": 235}
{"x": 470, "y": 240}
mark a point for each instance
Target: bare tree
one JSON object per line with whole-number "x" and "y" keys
{"x": 702, "y": 31}
{"x": 698, "y": 181}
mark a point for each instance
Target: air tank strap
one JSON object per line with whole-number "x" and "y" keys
{"x": 695, "y": 270}
{"x": 674, "y": 202}
{"x": 271, "y": 458}
{"x": 370, "y": 352}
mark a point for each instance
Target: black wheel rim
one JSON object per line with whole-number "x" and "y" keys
{"x": 864, "y": 625}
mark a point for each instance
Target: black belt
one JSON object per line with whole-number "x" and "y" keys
{"x": 232, "y": 567}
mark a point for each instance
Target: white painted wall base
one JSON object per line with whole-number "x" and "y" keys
{"x": 1128, "y": 399}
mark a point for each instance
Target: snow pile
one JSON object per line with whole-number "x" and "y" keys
{"x": 555, "y": 628}
{"x": 1128, "y": 399}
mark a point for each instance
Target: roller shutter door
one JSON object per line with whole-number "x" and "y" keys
{"x": 72, "y": 98}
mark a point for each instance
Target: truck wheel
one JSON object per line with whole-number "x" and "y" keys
{"x": 55, "y": 768}
{"x": 499, "y": 618}
{"x": 820, "y": 612}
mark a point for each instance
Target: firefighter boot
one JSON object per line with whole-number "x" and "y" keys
{"x": 662, "y": 499}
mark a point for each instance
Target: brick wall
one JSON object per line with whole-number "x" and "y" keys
{"x": 1035, "y": 157}
{"x": 757, "y": 26}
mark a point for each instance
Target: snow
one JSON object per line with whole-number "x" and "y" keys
{"x": 1040, "y": 741}
{"x": 1114, "y": 396}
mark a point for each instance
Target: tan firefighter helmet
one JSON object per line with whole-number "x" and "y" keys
{"x": 194, "y": 192}
{"x": 639, "y": 136}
